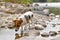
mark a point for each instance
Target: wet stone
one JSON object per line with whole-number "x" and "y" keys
{"x": 45, "y": 35}
{"x": 38, "y": 28}
{"x": 52, "y": 33}
{"x": 2, "y": 26}
{"x": 58, "y": 32}
{"x": 26, "y": 34}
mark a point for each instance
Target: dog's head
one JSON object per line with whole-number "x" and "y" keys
{"x": 17, "y": 22}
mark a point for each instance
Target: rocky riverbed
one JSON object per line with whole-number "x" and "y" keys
{"x": 42, "y": 27}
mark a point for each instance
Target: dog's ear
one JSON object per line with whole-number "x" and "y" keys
{"x": 20, "y": 20}
{"x": 14, "y": 20}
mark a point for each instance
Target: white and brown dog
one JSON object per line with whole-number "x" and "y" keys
{"x": 23, "y": 20}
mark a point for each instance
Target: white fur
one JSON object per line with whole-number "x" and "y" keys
{"x": 27, "y": 13}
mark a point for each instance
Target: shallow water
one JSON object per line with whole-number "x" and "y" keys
{"x": 6, "y": 34}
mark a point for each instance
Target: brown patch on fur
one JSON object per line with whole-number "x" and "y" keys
{"x": 27, "y": 19}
